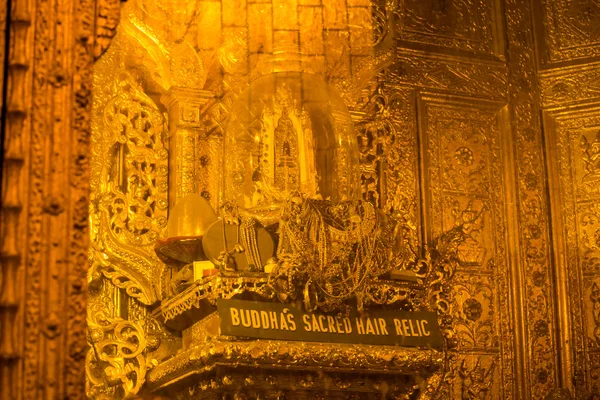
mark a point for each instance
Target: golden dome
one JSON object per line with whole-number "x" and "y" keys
{"x": 190, "y": 217}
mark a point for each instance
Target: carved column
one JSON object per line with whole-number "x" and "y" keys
{"x": 187, "y": 137}
{"x": 45, "y": 184}
{"x": 13, "y": 199}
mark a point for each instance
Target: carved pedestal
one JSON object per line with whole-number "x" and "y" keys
{"x": 211, "y": 365}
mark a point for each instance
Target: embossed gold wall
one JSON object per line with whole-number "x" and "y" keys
{"x": 474, "y": 113}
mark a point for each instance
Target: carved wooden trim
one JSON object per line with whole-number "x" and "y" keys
{"x": 45, "y": 183}
{"x": 536, "y": 363}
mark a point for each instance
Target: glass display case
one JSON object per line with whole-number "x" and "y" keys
{"x": 289, "y": 132}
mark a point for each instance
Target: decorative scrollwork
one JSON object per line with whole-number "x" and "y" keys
{"x": 133, "y": 285}
{"x": 115, "y": 364}
{"x": 442, "y": 260}
{"x": 136, "y": 171}
{"x": 375, "y": 135}
{"x": 130, "y": 208}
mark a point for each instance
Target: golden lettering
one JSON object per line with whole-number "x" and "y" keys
{"x": 235, "y": 316}
{"x": 398, "y": 327}
{"x": 347, "y": 325}
{"x": 412, "y": 329}
{"x": 359, "y": 326}
{"x": 331, "y": 324}
{"x": 405, "y": 327}
{"x": 306, "y": 320}
{"x": 369, "y": 330}
{"x": 273, "y": 319}
{"x": 290, "y": 320}
{"x": 419, "y": 328}
{"x": 424, "y": 329}
{"x": 246, "y": 320}
{"x": 255, "y": 319}
{"x": 265, "y": 320}
{"x": 321, "y": 323}
{"x": 282, "y": 322}
{"x": 382, "y": 326}
{"x": 315, "y": 324}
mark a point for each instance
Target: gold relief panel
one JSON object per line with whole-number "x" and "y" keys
{"x": 464, "y": 152}
{"x": 129, "y": 179}
{"x": 461, "y": 147}
{"x": 573, "y": 154}
{"x": 424, "y": 70}
{"x": 472, "y": 26}
{"x": 476, "y": 377}
{"x": 562, "y": 86}
{"x": 470, "y": 215}
{"x": 589, "y": 236}
{"x": 571, "y": 29}
{"x": 476, "y": 316}
{"x": 591, "y": 295}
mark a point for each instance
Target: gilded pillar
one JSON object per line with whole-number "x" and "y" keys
{"x": 186, "y": 136}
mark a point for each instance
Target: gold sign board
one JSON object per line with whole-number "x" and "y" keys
{"x": 285, "y": 322}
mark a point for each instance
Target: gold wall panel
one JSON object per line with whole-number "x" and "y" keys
{"x": 455, "y": 74}
{"x": 561, "y": 86}
{"x": 465, "y": 159}
{"x": 537, "y": 369}
{"x": 574, "y": 145}
{"x": 569, "y": 30}
{"x": 461, "y": 155}
{"x": 473, "y": 26}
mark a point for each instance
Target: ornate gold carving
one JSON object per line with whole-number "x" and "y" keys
{"x": 107, "y": 18}
{"x": 116, "y": 363}
{"x": 469, "y": 25}
{"x": 13, "y": 237}
{"x": 269, "y": 355}
{"x": 130, "y": 179}
{"x": 595, "y": 298}
{"x": 402, "y": 294}
{"x": 425, "y": 70}
{"x": 475, "y": 382}
{"x": 571, "y": 29}
{"x": 388, "y": 154}
{"x": 462, "y": 141}
{"x": 187, "y": 142}
{"x": 537, "y": 295}
{"x": 134, "y": 285}
{"x": 44, "y": 206}
{"x": 47, "y": 74}
{"x": 575, "y": 135}
{"x": 563, "y": 86}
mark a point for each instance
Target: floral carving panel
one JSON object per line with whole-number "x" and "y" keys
{"x": 572, "y": 29}
{"x": 562, "y": 86}
{"x": 465, "y": 189}
{"x": 468, "y": 25}
{"x": 129, "y": 175}
{"x": 578, "y": 172}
